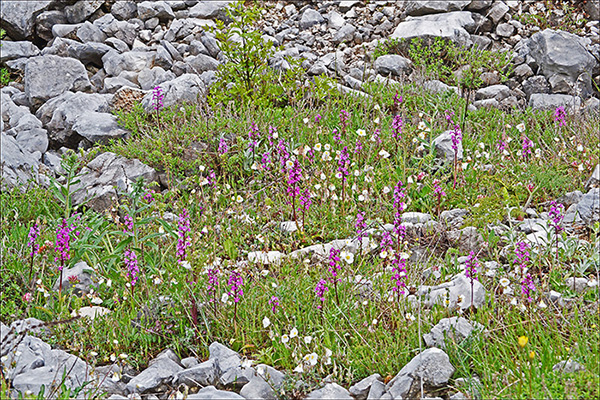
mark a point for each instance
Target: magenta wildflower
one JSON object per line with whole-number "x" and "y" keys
{"x": 471, "y": 266}
{"x": 344, "y": 118}
{"x": 253, "y": 136}
{"x": 223, "y": 147}
{"x": 397, "y": 125}
{"x": 334, "y": 264}
{"x": 527, "y": 287}
{"x": 34, "y": 232}
{"x": 522, "y": 253}
{"x": 27, "y": 297}
{"x": 62, "y": 245}
{"x": 320, "y": 290}
{"x": 359, "y": 146}
{"x": 560, "y": 115}
{"x": 437, "y": 189}
{"x": 343, "y": 163}
{"x": 449, "y": 116}
{"x": 360, "y": 225}
{"x": 456, "y": 135}
{"x": 133, "y": 269}
{"x": 274, "y": 303}
{"x": 235, "y": 284}
{"x": 399, "y": 277}
{"x": 318, "y": 118}
{"x": 377, "y": 136}
{"x": 265, "y": 160}
{"x": 183, "y": 242}
{"x": 397, "y": 101}
{"x": 157, "y": 98}
{"x": 213, "y": 282}
{"x": 556, "y": 215}
{"x": 337, "y": 136}
{"x": 527, "y": 146}
{"x": 128, "y": 223}
{"x": 282, "y": 153}
{"x": 149, "y": 196}
{"x": 305, "y": 199}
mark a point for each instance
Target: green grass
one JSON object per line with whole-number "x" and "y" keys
{"x": 158, "y": 314}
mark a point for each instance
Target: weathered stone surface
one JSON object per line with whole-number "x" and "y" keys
{"x": 160, "y": 372}
{"x": 329, "y": 391}
{"x": 420, "y": 7}
{"x": 210, "y": 10}
{"x": 203, "y": 374}
{"x": 150, "y": 78}
{"x": 124, "y": 10}
{"x": 18, "y": 17}
{"x": 186, "y": 88}
{"x": 258, "y": 388}
{"x": 13, "y": 50}
{"x": 456, "y": 293}
{"x": 45, "y": 21}
{"x": 436, "y": 86}
{"x": 540, "y": 101}
{"x": 466, "y": 240}
{"x": 155, "y": 9}
{"x": 224, "y": 357}
{"x": 59, "y": 114}
{"x": 455, "y": 329}
{"x": 360, "y": 390}
{"x": 568, "y": 367}
{"x": 98, "y": 127}
{"x": 594, "y": 180}
{"x": 453, "y": 25}
{"x": 81, "y": 10}
{"x": 309, "y": 18}
{"x": 17, "y": 162}
{"x": 105, "y": 172}
{"x": 211, "y": 393}
{"x": 115, "y": 62}
{"x": 588, "y": 208}
{"x": 431, "y": 367}
{"x": 392, "y": 64}
{"x": 50, "y": 76}
{"x": 264, "y": 257}
{"x": 443, "y": 145}
{"x": 84, "y": 274}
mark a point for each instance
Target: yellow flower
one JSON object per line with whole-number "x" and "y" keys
{"x": 531, "y": 355}
{"x": 523, "y": 341}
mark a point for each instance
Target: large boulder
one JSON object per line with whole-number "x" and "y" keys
{"x": 563, "y": 59}
{"x": 453, "y": 294}
{"x": 13, "y": 50}
{"x": 82, "y": 10}
{"x": 87, "y": 53}
{"x": 18, "y": 17}
{"x": 211, "y": 10}
{"x": 443, "y": 145}
{"x": 431, "y": 369}
{"x": 392, "y": 64}
{"x": 60, "y": 114}
{"x": 50, "y": 76}
{"x": 453, "y": 329}
{"x": 135, "y": 61}
{"x": 419, "y": 7}
{"x": 105, "y": 173}
{"x": 454, "y": 26}
{"x": 542, "y": 101}
{"x": 17, "y": 164}
{"x": 186, "y": 88}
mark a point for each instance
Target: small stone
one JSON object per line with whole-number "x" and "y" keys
{"x": 361, "y": 390}
{"x": 568, "y": 367}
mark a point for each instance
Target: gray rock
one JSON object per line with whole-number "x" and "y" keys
{"x": 309, "y": 18}
{"x": 12, "y": 50}
{"x": 415, "y": 217}
{"x": 104, "y": 173}
{"x": 224, "y": 357}
{"x": 487, "y": 103}
{"x": 186, "y": 88}
{"x": 201, "y": 63}
{"x": 594, "y": 180}
{"x": 523, "y": 71}
{"x": 453, "y": 26}
{"x": 203, "y": 374}
{"x": 570, "y": 198}
{"x": 536, "y": 84}
{"x": 87, "y": 53}
{"x": 155, "y": 9}
{"x": 124, "y": 10}
{"x": 568, "y": 367}
{"x": 211, "y": 393}
{"x": 443, "y": 145}
{"x": 49, "y": 76}
{"x": 236, "y": 378}
{"x": 467, "y": 239}
{"x": 345, "y": 34}
{"x": 115, "y": 63}
{"x": 436, "y": 86}
{"x": 577, "y": 284}
{"x": 498, "y": 11}
{"x": 17, "y": 162}
{"x": 360, "y": 390}
{"x": 159, "y": 373}
{"x": 273, "y": 377}
{"x": 150, "y": 78}
{"x": 45, "y": 21}
{"x": 98, "y": 127}
{"x": 392, "y": 64}
{"x": 539, "y": 101}
{"x": 190, "y": 362}
{"x": 419, "y": 7}
{"x": 593, "y": 10}
{"x": 505, "y": 30}
{"x": 455, "y": 329}
{"x": 482, "y": 42}
{"x": 335, "y": 20}
{"x": 588, "y": 208}
{"x": 563, "y": 54}
{"x": 82, "y": 10}
{"x": 376, "y": 391}
{"x": 432, "y": 368}
{"x": 122, "y": 30}
{"x": 258, "y": 388}
{"x": 88, "y": 32}
{"x": 329, "y": 391}
{"x": 210, "y": 10}
{"x": 455, "y": 293}
{"x": 59, "y": 114}
{"x": 498, "y": 92}
{"x": 479, "y": 5}
{"x": 32, "y": 140}
{"x": 18, "y": 17}
{"x": 181, "y": 28}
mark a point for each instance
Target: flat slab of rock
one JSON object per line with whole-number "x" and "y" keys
{"x": 18, "y": 17}
{"x": 188, "y": 88}
{"x": 418, "y": 7}
{"x": 13, "y": 50}
{"x": 455, "y": 329}
{"x": 543, "y": 101}
{"x": 17, "y": 162}
{"x": 203, "y": 374}
{"x": 50, "y": 76}
{"x": 456, "y": 293}
{"x": 160, "y": 372}
{"x": 452, "y": 26}
{"x": 103, "y": 173}
{"x": 432, "y": 367}
{"x": 212, "y": 393}
{"x": 329, "y": 391}
{"x": 360, "y": 390}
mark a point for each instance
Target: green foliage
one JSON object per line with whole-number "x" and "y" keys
{"x": 557, "y": 15}
{"x": 4, "y": 74}
{"x": 387, "y": 46}
{"x": 246, "y": 77}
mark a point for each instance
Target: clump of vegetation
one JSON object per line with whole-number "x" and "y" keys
{"x": 4, "y": 73}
